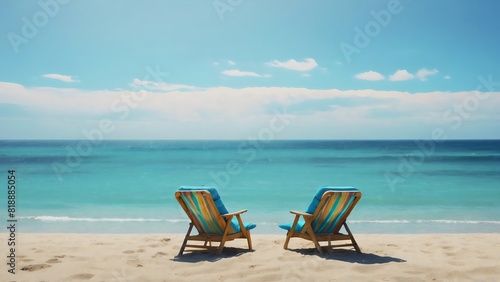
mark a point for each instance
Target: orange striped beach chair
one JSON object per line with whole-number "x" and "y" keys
{"x": 324, "y": 218}
{"x": 211, "y": 219}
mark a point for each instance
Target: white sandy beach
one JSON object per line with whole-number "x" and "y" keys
{"x": 152, "y": 257}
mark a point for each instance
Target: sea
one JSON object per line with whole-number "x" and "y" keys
{"x": 92, "y": 186}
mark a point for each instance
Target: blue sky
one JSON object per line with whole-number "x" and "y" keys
{"x": 239, "y": 69}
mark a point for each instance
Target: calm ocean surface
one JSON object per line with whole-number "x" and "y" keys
{"x": 128, "y": 186}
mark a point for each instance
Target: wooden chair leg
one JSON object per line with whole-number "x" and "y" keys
{"x": 356, "y": 247}
{"x": 330, "y": 247}
{"x": 185, "y": 239}
{"x": 245, "y": 232}
{"x": 288, "y": 236}
{"x": 291, "y": 231}
{"x": 249, "y": 239}
{"x": 224, "y": 236}
{"x": 315, "y": 241}
{"x": 309, "y": 230}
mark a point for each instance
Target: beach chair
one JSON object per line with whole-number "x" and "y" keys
{"x": 324, "y": 218}
{"x": 208, "y": 215}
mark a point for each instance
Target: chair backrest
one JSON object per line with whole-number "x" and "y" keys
{"x": 333, "y": 208}
{"x": 201, "y": 209}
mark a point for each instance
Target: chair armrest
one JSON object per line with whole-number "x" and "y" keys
{"x": 301, "y": 213}
{"x": 233, "y": 213}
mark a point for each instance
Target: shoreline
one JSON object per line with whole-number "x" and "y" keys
{"x": 152, "y": 257}
{"x": 357, "y": 227}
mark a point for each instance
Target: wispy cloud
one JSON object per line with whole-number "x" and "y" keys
{"x": 243, "y": 73}
{"x": 370, "y": 75}
{"x": 159, "y": 86}
{"x": 422, "y": 74}
{"x": 224, "y": 62}
{"x": 292, "y": 64}
{"x": 447, "y": 77}
{"x": 401, "y": 75}
{"x": 60, "y": 77}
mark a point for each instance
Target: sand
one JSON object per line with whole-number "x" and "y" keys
{"x": 152, "y": 257}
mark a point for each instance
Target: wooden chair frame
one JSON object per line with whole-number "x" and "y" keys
{"x": 224, "y": 221}
{"x": 308, "y": 233}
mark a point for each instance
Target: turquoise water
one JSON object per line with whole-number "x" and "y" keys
{"x": 128, "y": 186}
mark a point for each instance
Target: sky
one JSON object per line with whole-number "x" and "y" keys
{"x": 241, "y": 69}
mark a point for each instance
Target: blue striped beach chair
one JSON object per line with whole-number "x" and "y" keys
{"x": 324, "y": 218}
{"x": 210, "y": 217}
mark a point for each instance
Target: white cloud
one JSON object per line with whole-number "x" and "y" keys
{"x": 230, "y": 113}
{"x": 159, "y": 86}
{"x": 447, "y": 77}
{"x": 369, "y": 75}
{"x": 231, "y": 63}
{"x": 306, "y": 75}
{"x": 243, "y": 73}
{"x": 422, "y": 74}
{"x": 60, "y": 77}
{"x": 401, "y": 75}
{"x": 292, "y": 64}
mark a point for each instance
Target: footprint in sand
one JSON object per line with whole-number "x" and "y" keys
{"x": 158, "y": 254}
{"x": 128, "y": 252}
{"x": 135, "y": 263}
{"x": 102, "y": 244}
{"x": 54, "y": 260}
{"x": 81, "y": 276}
{"x": 26, "y": 260}
{"x": 156, "y": 245}
{"x": 34, "y": 267}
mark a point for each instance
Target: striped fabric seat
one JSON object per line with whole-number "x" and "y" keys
{"x": 324, "y": 218}
{"x": 210, "y": 217}
{"x": 207, "y": 219}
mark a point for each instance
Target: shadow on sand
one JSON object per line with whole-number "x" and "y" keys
{"x": 349, "y": 256}
{"x": 198, "y": 256}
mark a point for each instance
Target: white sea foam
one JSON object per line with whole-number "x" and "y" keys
{"x": 443, "y": 221}
{"x": 88, "y": 219}
{"x": 403, "y": 221}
